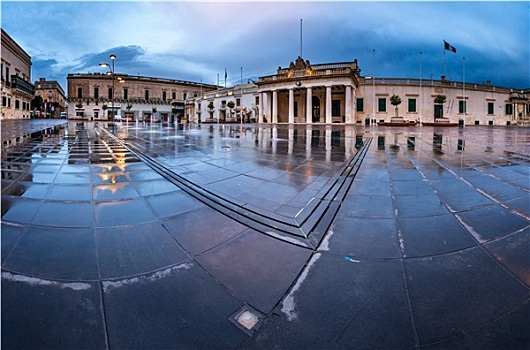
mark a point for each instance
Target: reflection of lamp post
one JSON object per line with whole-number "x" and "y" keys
{"x": 112, "y": 58}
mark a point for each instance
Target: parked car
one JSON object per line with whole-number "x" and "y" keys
{"x": 63, "y": 115}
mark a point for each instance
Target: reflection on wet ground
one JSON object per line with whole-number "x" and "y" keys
{"x": 300, "y": 226}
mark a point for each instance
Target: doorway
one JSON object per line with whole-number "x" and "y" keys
{"x": 438, "y": 111}
{"x": 316, "y": 109}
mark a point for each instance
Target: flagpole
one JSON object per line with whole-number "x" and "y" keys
{"x": 464, "y": 86}
{"x": 300, "y": 37}
{"x": 420, "y": 90}
{"x": 373, "y": 86}
{"x": 445, "y": 69}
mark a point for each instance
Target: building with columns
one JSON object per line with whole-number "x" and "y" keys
{"x": 305, "y": 93}
{"x": 338, "y": 93}
{"x": 16, "y": 87}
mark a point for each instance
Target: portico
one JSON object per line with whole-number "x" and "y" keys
{"x": 309, "y": 94}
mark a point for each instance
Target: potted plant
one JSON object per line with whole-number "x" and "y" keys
{"x": 395, "y": 101}
{"x": 230, "y": 105}
{"x": 154, "y": 111}
{"x": 211, "y": 107}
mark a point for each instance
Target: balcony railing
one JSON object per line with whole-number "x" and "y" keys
{"x": 436, "y": 83}
{"x": 22, "y": 85}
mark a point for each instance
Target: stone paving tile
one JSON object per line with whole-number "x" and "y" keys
{"x": 469, "y": 281}
{"x": 177, "y": 308}
{"x": 367, "y": 296}
{"x": 236, "y": 264}
{"x": 55, "y": 253}
{"x": 46, "y": 314}
{"x": 130, "y": 250}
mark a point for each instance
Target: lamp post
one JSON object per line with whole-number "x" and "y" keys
{"x": 111, "y": 68}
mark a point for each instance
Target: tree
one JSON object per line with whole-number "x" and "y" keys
{"x": 37, "y": 103}
{"x": 211, "y": 107}
{"x": 395, "y": 100}
{"x": 230, "y": 105}
{"x": 154, "y": 111}
{"x": 104, "y": 108}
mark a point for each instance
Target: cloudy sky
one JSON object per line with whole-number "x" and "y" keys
{"x": 197, "y": 41}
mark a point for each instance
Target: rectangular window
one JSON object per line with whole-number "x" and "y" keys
{"x": 335, "y": 108}
{"x": 125, "y": 94}
{"x": 461, "y": 107}
{"x": 96, "y": 93}
{"x": 110, "y": 93}
{"x": 17, "y": 104}
{"x": 382, "y": 105}
{"x": 7, "y": 74}
{"x": 491, "y": 108}
{"x": 508, "y": 109}
{"x": 257, "y": 100}
{"x": 173, "y": 95}
{"x": 238, "y": 102}
{"x": 4, "y": 101}
{"x": 146, "y": 95}
{"x": 360, "y": 105}
{"x": 296, "y": 108}
{"x": 164, "y": 96}
{"x": 79, "y": 92}
{"x": 412, "y": 105}
{"x": 185, "y": 96}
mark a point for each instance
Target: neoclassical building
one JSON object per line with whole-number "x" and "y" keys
{"x": 16, "y": 87}
{"x": 98, "y": 96}
{"x": 52, "y": 94}
{"x": 338, "y": 93}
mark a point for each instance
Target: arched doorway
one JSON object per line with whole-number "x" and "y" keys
{"x": 316, "y": 109}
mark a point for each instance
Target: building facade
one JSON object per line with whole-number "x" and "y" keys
{"x": 16, "y": 87}
{"x": 337, "y": 93}
{"x": 99, "y": 96}
{"x": 53, "y": 98}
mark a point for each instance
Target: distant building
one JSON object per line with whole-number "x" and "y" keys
{"x": 135, "y": 98}
{"x": 16, "y": 87}
{"x": 53, "y": 97}
{"x": 338, "y": 93}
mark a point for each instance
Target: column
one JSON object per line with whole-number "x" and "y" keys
{"x": 260, "y": 108}
{"x": 309, "y": 106}
{"x": 328, "y": 105}
{"x": 274, "y": 117}
{"x": 291, "y": 106}
{"x": 348, "y": 106}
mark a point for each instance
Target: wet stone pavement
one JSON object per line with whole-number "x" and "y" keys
{"x": 134, "y": 236}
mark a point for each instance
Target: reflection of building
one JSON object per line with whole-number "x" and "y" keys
{"x": 337, "y": 93}
{"x": 135, "y": 98}
{"x": 17, "y": 91}
{"x": 52, "y": 95}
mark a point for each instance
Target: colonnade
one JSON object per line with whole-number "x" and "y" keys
{"x": 269, "y": 105}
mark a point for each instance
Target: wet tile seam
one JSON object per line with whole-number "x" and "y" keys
{"x": 293, "y": 231}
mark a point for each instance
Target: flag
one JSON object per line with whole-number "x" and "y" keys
{"x": 449, "y": 47}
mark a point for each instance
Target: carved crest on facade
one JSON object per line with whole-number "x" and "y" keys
{"x": 300, "y": 64}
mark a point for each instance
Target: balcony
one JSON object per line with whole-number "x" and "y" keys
{"x": 22, "y": 85}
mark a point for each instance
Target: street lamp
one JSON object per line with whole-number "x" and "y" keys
{"x": 111, "y": 68}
